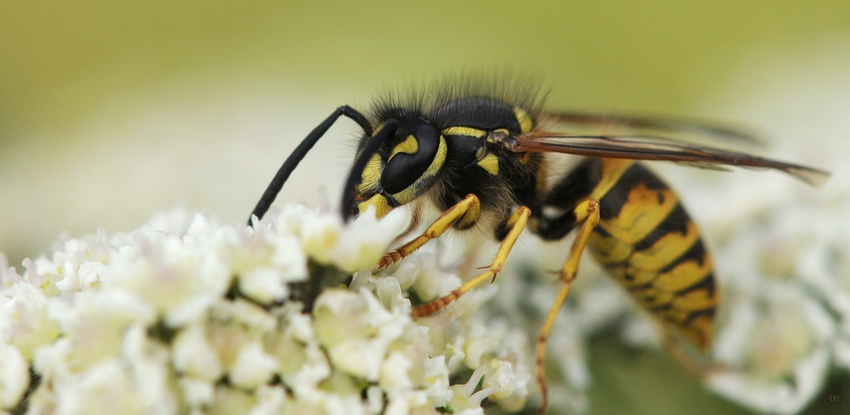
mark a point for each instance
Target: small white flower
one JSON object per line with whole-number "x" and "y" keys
{"x": 195, "y": 356}
{"x": 87, "y": 276}
{"x": 777, "y": 335}
{"x": 359, "y": 244}
{"x": 106, "y": 388}
{"x": 436, "y": 378}
{"x": 253, "y": 367}
{"x": 150, "y": 370}
{"x": 264, "y": 285}
{"x": 26, "y": 322}
{"x": 14, "y": 376}
{"x": 97, "y": 324}
{"x": 196, "y": 392}
{"x": 780, "y": 397}
{"x": 395, "y": 373}
{"x": 466, "y": 398}
{"x": 289, "y": 257}
{"x": 270, "y": 401}
{"x": 358, "y": 358}
{"x": 477, "y": 347}
{"x": 232, "y": 401}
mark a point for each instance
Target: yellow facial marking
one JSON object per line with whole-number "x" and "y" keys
{"x": 525, "y": 121}
{"x": 409, "y": 146}
{"x": 490, "y": 163}
{"x": 467, "y": 131}
{"x": 371, "y": 174}
{"x": 380, "y": 204}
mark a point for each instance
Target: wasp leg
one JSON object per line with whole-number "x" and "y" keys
{"x": 587, "y": 211}
{"x": 516, "y": 222}
{"x": 443, "y": 223}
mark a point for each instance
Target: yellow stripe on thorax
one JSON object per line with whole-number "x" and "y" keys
{"x": 526, "y": 124}
{"x": 467, "y": 131}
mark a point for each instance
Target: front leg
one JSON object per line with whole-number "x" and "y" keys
{"x": 515, "y": 223}
{"x": 469, "y": 204}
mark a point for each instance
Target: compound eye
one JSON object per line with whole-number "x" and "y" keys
{"x": 410, "y": 159}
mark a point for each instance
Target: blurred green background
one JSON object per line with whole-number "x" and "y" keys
{"x": 110, "y": 111}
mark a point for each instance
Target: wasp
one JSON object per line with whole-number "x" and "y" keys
{"x": 493, "y": 159}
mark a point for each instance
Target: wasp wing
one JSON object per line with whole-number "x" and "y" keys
{"x": 578, "y": 122}
{"x": 656, "y": 148}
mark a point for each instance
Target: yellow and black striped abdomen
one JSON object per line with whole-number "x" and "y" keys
{"x": 647, "y": 241}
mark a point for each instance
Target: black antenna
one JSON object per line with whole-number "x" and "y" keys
{"x": 298, "y": 154}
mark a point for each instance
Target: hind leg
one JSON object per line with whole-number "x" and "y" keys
{"x": 588, "y": 212}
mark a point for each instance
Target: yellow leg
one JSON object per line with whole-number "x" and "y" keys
{"x": 443, "y": 223}
{"x": 587, "y": 211}
{"x": 516, "y": 222}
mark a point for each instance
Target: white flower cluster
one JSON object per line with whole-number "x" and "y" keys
{"x": 185, "y": 316}
{"x": 787, "y": 300}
